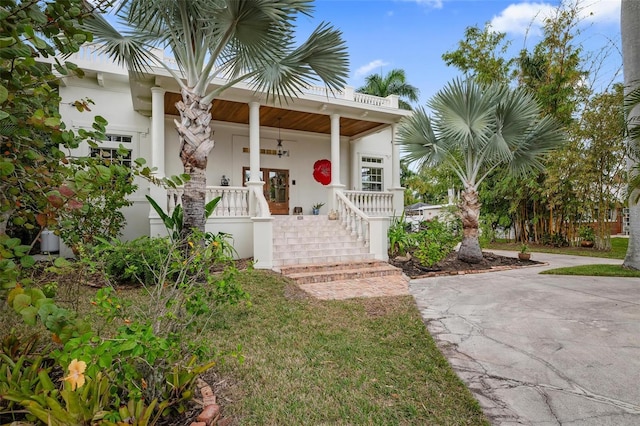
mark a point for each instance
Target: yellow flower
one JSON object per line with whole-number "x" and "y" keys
{"x": 76, "y": 374}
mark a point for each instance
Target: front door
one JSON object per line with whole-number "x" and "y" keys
{"x": 276, "y": 188}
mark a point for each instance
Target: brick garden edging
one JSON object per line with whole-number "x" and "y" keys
{"x": 474, "y": 271}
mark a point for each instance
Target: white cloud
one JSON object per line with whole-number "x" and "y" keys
{"x": 522, "y": 18}
{"x": 436, "y": 4}
{"x": 601, "y": 11}
{"x": 528, "y": 17}
{"x": 366, "y": 69}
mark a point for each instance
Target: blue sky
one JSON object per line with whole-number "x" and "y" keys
{"x": 413, "y": 34}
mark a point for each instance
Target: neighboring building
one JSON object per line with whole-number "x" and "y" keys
{"x": 264, "y": 158}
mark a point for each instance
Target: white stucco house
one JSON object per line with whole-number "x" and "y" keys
{"x": 264, "y": 158}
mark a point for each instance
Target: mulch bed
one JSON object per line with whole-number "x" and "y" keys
{"x": 451, "y": 265}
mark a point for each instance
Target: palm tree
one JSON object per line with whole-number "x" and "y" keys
{"x": 630, "y": 30}
{"x": 476, "y": 128}
{"x": 240, "y": 40}
{"x": 394, "y": 83}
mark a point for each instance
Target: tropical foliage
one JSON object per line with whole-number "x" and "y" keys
{"x": 583, "y": 180}
{"x": 392, "y": 83}
{"x": 475, "y": 129}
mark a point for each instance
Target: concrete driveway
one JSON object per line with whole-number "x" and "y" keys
{"x": 541, "y": 349}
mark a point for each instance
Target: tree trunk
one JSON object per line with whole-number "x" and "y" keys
{"x": 470, "y": 250}
{"x": 195, "y": 145}
{"x": 630, "y": 26}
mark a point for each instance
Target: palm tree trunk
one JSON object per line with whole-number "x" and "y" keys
{"x": 470, "y": 250}
{"x": 195, "y": 145}
{"x": 630, "y": 26}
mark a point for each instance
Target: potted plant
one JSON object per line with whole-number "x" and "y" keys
{"x": 524, "y": 253}
{"x": 315, "y": 209}
{"x": 587, "y": 236}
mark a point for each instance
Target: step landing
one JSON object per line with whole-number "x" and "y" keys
{"x": 344, "y": 280}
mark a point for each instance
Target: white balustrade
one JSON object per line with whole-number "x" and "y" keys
{"x": 372, "y": 203}
{"x": 352, "y": 218}
{"x": 363, "y": 98}
{"x": 234, "y": 201}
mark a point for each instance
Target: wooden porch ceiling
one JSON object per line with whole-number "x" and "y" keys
{"x": 238, "y": 112}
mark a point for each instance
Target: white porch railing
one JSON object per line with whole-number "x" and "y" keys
{"x": 372, "y": 203}
{"x": 352, "y": 218}
{"x": 234, "y": 202}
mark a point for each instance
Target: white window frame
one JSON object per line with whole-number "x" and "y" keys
{"x": 371, "y": 162}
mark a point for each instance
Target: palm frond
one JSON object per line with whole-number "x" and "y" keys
{"x": 463, "y": 113}
{"x": 323, "y": 57}
{"x": 131, "y": 51}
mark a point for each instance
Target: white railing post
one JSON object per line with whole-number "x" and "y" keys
{"x": 378, "y": 240}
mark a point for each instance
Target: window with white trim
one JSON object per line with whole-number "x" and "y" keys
{"x": 118, "y": 138}
{"x": 372, "y": 172}
{"x": 110, "y": 151}
{"x": 112, "y": 155}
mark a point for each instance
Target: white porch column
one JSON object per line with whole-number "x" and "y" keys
{"x": 254, "y": 153}
{"x": 335, "y": 185}
{"x": 158, "y": 193}
{"x": 254, "y": 141}
{"x": 157, "y": 129}
{"x": 335, "y": 149}
{"x": 262, "y": 226}
{"x": 396, "y": 188}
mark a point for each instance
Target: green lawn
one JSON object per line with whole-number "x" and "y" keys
{"x": 311, "y": 362}
{"x": 618, "y": 249}
{"x": 595, "y": 271}
{"x": 366, "y": 361}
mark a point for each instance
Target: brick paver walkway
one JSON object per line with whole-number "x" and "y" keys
{"x": 395, "y": 285}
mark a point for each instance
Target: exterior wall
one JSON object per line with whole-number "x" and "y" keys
{"x": 113, "y": 102}
{"x": 377, "y": 145}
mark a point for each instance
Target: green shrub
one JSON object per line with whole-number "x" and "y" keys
{"x": 135, "y": 261}
{"x": 400, "y": 239}
{"x": 434, "y": 243}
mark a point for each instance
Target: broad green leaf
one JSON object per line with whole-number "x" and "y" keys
{"x": 52, "y": 122}
{"x": 4, "y": 93}
{"x": 61, "y": 262}
{"x": 29, "y": 315}
{"x": 3, "y": 115}
{"x": 21, "y": 301}
{"x": 36, "y": 294}
{"x": 6, "y": 41}
{"x": 6, "y": 168}
{"x": 27, "y": 261}
{"x": 12, "y": 242}
{"x": 104, "y": 172}
{"x": 127, "y": 345}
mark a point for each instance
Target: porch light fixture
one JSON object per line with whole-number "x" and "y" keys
{"x": 280, "y": 151}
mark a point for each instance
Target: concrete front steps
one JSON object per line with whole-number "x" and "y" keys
{"x": 327, "y": 262}
{"x": 314, "y": 239}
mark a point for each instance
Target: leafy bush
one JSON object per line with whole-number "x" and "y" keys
{"x": 555, "y": 240}
{"x": 135, "y": 261}
{"x": 400, "y": 238}
{"x": 434, "y": 243}
{"x": 587, "y": 233}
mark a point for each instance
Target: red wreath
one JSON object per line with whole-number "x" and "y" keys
{"x": 322, "y": 171}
